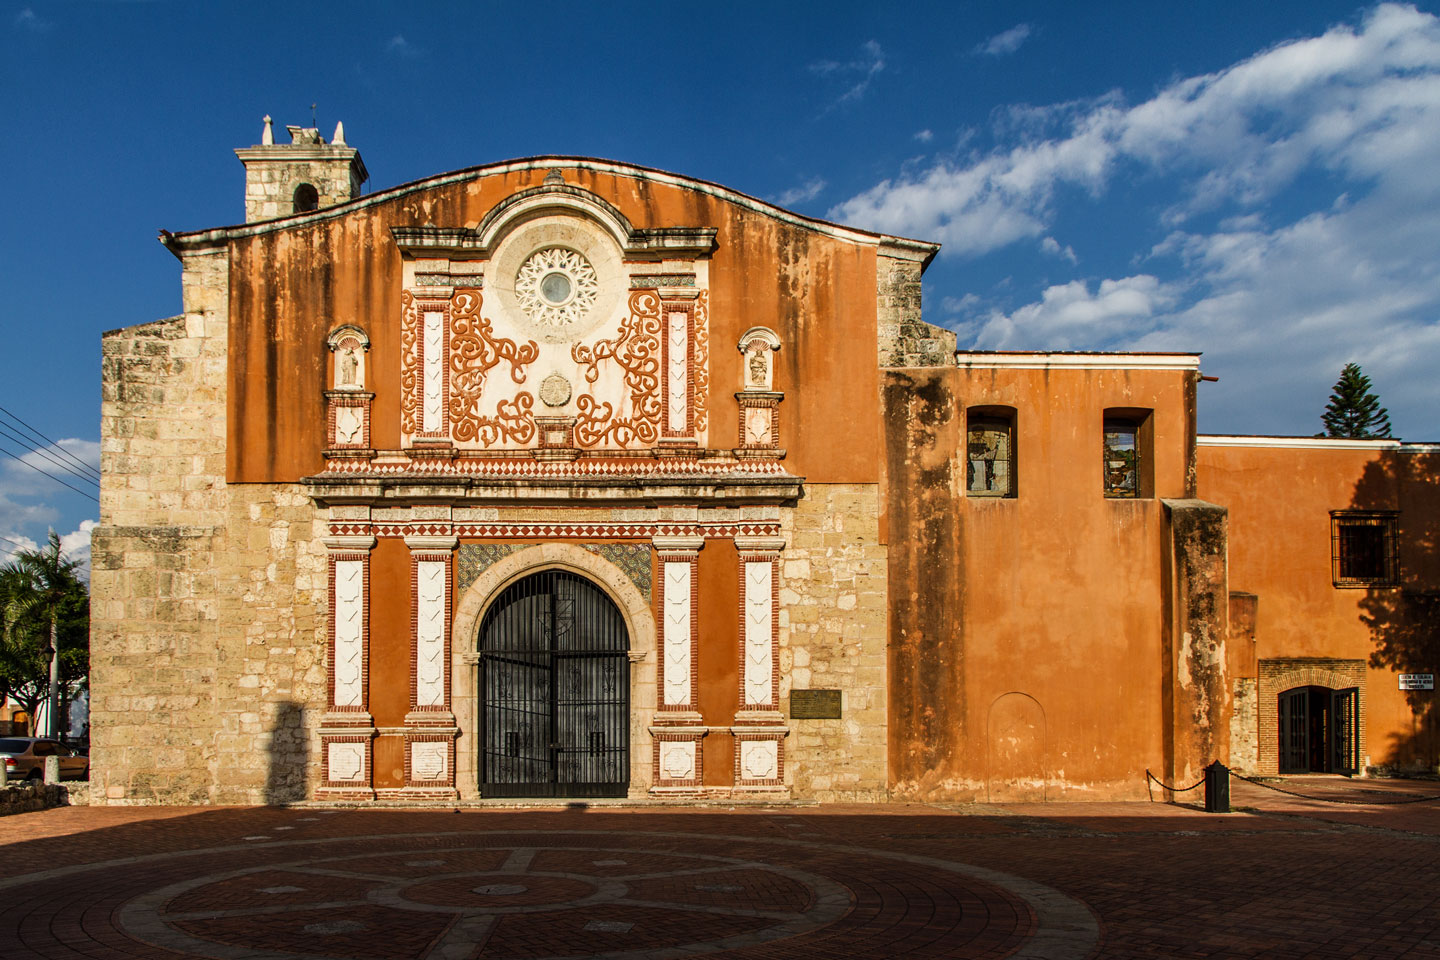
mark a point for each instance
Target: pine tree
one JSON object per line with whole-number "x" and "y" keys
{"x": 1353, "y": 411}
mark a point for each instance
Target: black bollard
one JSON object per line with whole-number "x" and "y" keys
{"x": 1217, "y": 788}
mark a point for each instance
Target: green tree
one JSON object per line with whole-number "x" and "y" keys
{"x": 1353, "y": 411}
{"x": 44, "y": 607}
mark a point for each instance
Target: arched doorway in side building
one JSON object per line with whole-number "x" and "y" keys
{"x": 555, "y": 691}
{"x": 1319, "y": 730}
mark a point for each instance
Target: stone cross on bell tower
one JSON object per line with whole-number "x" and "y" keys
{"x": 305, "y": 174}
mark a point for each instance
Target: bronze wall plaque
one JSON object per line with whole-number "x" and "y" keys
{"x": 815, "y": 704}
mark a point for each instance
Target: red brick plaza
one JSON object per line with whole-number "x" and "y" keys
{"x": 1285, "y": 878}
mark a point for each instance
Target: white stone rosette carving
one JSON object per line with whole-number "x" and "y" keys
{"x": 556, "y": 287}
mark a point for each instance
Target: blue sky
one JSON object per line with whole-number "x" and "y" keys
{"x": 1255, "y": 181}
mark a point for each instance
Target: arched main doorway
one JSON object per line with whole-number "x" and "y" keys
{"x": 555, "y": 689}
{"x": 1319, "y": 730}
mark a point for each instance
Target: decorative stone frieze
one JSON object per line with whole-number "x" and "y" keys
{"x": 430, "y": 728}
{"x": 760, "y": 729}
{"x": 678, "y": 751}
{"x": 347, "y": 729}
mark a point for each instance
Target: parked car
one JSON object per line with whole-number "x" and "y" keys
{"x": 25, "y": 759}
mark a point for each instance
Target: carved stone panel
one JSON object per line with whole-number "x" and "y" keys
{"x": 759, "y": 759}
{"x": 349, "y": 633}
{"x": 759, "y": 668}
{"x": 677, "y": 760}
{"x": 428, "y": 759}
{"x": 430, "y": 583}
{"x": 345, "y": 762}
{"x": 677, "y": 633}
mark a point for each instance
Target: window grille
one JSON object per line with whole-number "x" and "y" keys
{"x": 1363, "y": 549}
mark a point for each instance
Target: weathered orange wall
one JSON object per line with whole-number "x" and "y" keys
{"x": 719, "y": 642}
{"x": 292, "y": 285}
{"x": 1055, "y": 595}
{"x": 391, "y": 634}
{"x": 1280, "y": 500}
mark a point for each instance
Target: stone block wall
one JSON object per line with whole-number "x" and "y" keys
{"x": 905, "y": 339}
{"x": 833, "y": 577}
{"x": 209, "y": 600}
{"x": 1244, "y": 718}
{"x": 153, "y": 612}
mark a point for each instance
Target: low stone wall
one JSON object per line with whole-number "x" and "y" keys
{"x": 26, "y": 796}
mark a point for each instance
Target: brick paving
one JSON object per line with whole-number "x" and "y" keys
{"x": 1284, "y": 878}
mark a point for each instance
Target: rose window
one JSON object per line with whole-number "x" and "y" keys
{"x": 556, "y": 287}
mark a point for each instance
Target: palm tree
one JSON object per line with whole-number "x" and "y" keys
{"x": 42, "y": 593}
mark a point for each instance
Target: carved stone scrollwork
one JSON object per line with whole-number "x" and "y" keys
{"x": 474, "y": 352}
{"x": 701, "y": 373}
{"x": 637, "y": 351}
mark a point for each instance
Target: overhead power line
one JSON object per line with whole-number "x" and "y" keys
{"x": 47, "y": 473}
{"x": 44, "y": 439}
{"x": 42, "y": 451}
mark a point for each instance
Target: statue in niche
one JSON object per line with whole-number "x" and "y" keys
{"x": 759, "y": 368}
{"x": 349, "y": 366}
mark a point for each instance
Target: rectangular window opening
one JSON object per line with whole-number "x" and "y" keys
{"x": 990, "y": 453}
{"x": 1363, "y": 548}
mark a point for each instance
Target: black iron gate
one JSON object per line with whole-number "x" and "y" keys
{"x": 555, "y": 672}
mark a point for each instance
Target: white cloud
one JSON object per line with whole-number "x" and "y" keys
{"x": 1361, "y": 103}
{"x": 28, "y": 19}
{"x": 924, "y": 136}
{"x": 401, "y": 47}
{"x": 1069, "y": 316}
{"x": 27, "y": 476}
{"x": 856, "y": 74}
{"x": 1004, "y": 44}
{"x": 1279, "y": 282}
{"x": 1052, "y": 246}
{"x": 808, "y": 190}
{"x": 28, "y": 498}
{"x": 76, "y": 546}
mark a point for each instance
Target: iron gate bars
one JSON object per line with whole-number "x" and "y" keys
{"x": 555, "y": 672}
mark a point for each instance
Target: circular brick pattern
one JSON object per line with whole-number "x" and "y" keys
{"x": 568, "y": 893}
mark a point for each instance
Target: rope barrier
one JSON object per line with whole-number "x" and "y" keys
{"x": 1358, "y": 803}
{"x": 1151, "y": 777}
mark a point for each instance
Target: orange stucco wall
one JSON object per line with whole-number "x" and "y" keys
{"x": 1027, "y": 649}
{"x": 1280, "y": 500}
{"x": 292, "y": 285}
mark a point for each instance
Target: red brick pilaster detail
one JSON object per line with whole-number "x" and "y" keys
{"x": 430, "y": 729}
{"x": 347, "y": 730}
{"x": 677, "y": 758}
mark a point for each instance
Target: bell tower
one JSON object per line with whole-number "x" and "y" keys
{"x": 303, "y": 175}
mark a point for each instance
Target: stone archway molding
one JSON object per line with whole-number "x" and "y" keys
{"x": 470, "y": 613}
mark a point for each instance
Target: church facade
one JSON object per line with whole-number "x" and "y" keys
{"x": 566, "y": 478}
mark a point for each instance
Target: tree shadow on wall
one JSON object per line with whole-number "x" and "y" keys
{"x": 289, "y": 755}
{"x": 1404, "y": 621}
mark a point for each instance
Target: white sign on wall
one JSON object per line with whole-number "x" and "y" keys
{"x": 1417, "y": 681}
